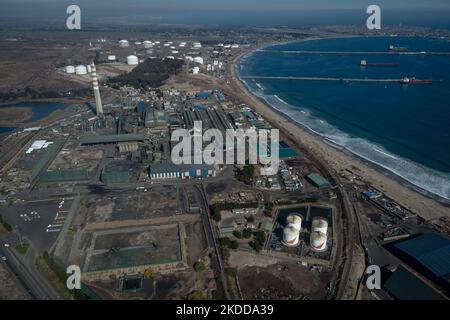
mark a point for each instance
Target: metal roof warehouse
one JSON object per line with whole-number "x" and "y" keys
{"x": 430, "y": 254}
{"x": 403, "y": 285}
{"x": 113, "y": 138}
{"x": 170, "y": 170}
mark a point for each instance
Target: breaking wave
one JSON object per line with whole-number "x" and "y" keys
{"x": 428, "y": 179}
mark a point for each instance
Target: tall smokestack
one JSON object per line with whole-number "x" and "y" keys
{"x": 98, "y": 99}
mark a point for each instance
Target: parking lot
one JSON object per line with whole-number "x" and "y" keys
{"x": 37, "y": 221}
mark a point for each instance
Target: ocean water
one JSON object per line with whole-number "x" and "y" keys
{"x": 40, "y": 111}
{"x": 404, "y": 129}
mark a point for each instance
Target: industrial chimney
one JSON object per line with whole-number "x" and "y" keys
{"x": 98, "y": 100}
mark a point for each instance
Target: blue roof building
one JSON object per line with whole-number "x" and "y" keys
{"x": 403, "y": 285}
{"x": 203, "y": 95}
{"x": 429, "y": 254}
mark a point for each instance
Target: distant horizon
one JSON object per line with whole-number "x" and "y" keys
{"x": 426, "y": 17}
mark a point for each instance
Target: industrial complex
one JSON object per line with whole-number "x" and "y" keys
{"x": 96, "y": 187}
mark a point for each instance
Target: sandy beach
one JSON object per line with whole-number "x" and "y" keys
{"x": 337, "y": 160}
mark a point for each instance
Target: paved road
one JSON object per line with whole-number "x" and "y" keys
{"x": 212, "y": 239}
{"x": 25, "y": 271}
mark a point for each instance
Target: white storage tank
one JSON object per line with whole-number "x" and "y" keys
{"x": 80, "y": 70}
{"x": 112, "y": 58}
{"x": 319, "y": 225}
{"x": 318, "y": 241}
{"x": 147, "y": 44}
{"x": 70, "y": 69}
{"x": 295, "y": 221}
{"x": 198, "y": 60}
{"x": 290, "y": 236}
{"x": 124, "y": 43}
{"x": 132, "y": 60}
{"x": 195, "y": 70}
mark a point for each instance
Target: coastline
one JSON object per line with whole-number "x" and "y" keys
{"x": 427, "y": 205}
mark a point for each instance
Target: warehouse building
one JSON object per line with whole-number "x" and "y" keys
{"x": 403, "y": 285}
{"x": 90, "y": 139}
{"x": 156, "y": 119}
{"x": 318, "y": 180}
{"x": 184, "y": 171}
{"x": 429, "y": 254}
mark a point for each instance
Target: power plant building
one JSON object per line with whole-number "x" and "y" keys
{"x": 98, "y": 100}
{"x": 183, "y": 171}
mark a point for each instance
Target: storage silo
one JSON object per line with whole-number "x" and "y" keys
{"x": 124, "y": 43}
{"x": 70, "y": 69}
{"x": 291, "y": 236}
{"x": 198, "y": 60}
{"x": 132, "y": 60}
{"x": 295, "y": 221}
{"x": 318, "y": 241}
{"x": 81, "y": 70}
{"x": 319, "y": 225}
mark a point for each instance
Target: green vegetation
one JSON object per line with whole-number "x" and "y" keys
{"x": 237, "y": 234}
{"x": 195, "y": 295}
{"x": 246, "y": 174}
{"x": 250, "y": 219}
{"x": 22, "y": 249}
{"x": 32, "y": 93}
{"x": 232, "y": 272}
{"x": 58, "y": 278}
{"x": 216, "y": 215}
{"x": 256, "y": 245}
{"x": 259, "y": 240}
{"x": 151, "y": 73}
{"x": 247, "y": 233}
{"x": 268, "y": 210}
{"x": 227, "y": 243}
{"x": 148, "y": 273}
{"x": 199, "y": 266}
{"x": 5, "y": 227}
{"x": 224, "y": 242}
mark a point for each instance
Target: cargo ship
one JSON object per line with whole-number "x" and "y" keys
{"x": 364, "y": 63}
{"x": 413, "y": 80}
{"x": 397, "y": 49}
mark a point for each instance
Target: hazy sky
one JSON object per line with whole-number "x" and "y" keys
{"x": 229, "y": 4}
{"x": 212, "y": 11}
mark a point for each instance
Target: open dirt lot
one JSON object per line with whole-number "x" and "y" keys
{"x": 9, "y": 289}
{"x": 282, "y": 281}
